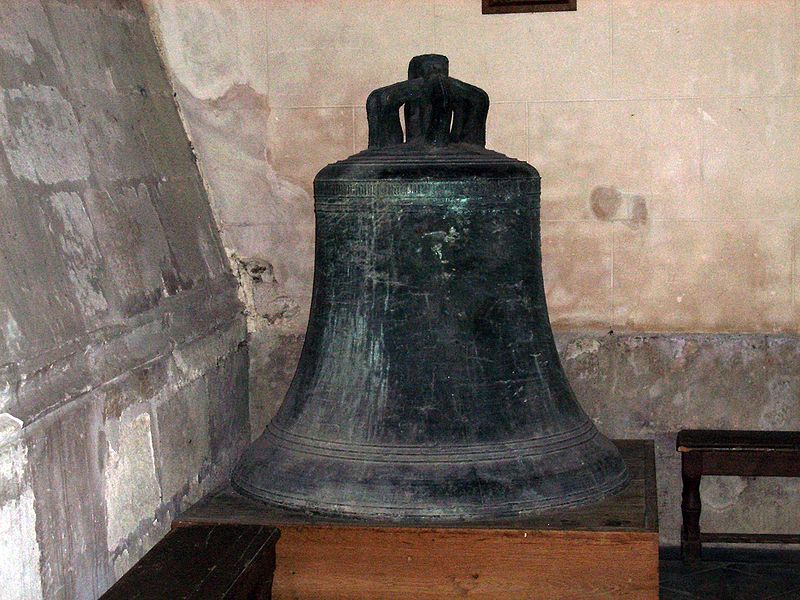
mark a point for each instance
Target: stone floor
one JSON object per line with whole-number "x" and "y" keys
{"x": 735, "y": 576}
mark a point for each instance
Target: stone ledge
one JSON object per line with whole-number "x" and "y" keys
{"x": 42, "y": 384}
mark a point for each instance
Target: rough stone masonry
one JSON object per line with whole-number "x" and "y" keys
{"x": 123, "y": 368}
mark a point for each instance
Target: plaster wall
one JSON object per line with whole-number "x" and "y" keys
{"x": 123, "y": 369}
{"x": 667, "y": 135}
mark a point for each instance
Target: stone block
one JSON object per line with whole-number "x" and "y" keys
{"x": 75, "y": 239}
{"x": 506, "y": 128}
{"x": 193, "y": 359}
{"x": 673, "y": 148}
{"x": 133, "y": 244}
{"x": 42, "y": 136}
{"x": 577, "y": 265}
{"x": 132, "y": 491}
{"x": 229, "y": 426}
{"x": 273, "y": 360}
{"x": 29, "y": 50}
{"x": 749, "y": 505}
{"x": 750, "y": 158}
{"x": 547, "y": 56}
{"x": 714, "y": 48}
{"x": 65, "y": 454}
{"x": 108, "y": 47}
{"x": 308, "y": 40}
{"x": 300, "y": 141}
{"x": 124, "y": 560}
{"x": 111, "y": 126}
{"x": 129, "y": 53}
{"x": 253, "y": 42}
{"x": 19, "y": 547}
{"x": 166, "y": 139}
{"x": 30, "y": 321}
{"x": 681, "y": 276}
{"x": 77, "y": 33}
{"x": 182, "y": 444}
{"x": 580, "y": 146}
{"x": 780, "y": 409}
{"x": 194, "y": 244}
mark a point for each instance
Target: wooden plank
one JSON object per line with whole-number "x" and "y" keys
{"x": 338, "y": 563}
{"x": 633, "y": 509}
{"x": 750, "y": 538}
{"x": 749, "y": 463}
{"x": 732, "y": 440}
{"x": 493, "y": 7}
{"x": 203, "y": 563}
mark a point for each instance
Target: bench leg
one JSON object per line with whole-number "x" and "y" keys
{"x": 691, "y": 472}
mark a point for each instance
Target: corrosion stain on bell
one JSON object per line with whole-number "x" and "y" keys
{"x": 429, "y": 386}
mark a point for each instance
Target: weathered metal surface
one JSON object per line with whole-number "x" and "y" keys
{"x": 429, "y": 385}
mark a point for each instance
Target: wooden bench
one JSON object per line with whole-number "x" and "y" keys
{"x": 742, "y": 453}
{"x": 205, "y": 562}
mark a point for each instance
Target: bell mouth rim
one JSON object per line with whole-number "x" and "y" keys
{"x": 472, "y": 489}
{"x": 460, "y": 512}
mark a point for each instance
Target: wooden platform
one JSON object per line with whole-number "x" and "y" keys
{"x": 204, "y": 562}
{"x": 606, "y": 550}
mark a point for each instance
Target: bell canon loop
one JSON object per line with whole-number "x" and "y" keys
{"x": 429, "y": 386}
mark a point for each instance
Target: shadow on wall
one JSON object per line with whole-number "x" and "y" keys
{"x": 123, "y": 367}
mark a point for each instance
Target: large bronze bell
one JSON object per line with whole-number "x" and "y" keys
{"x": 429, "y": 386}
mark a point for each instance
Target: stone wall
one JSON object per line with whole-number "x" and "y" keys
{"x": 667, "y": 136}
{"x": 651, "y": 386}
{"x": 123, "y": 369}
{"x": 215, "y": 54}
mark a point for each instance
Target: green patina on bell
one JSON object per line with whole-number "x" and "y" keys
{"x": 429, "y": 386}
